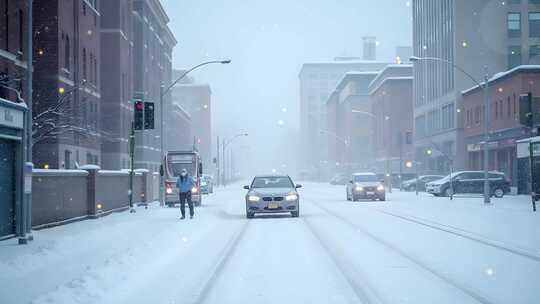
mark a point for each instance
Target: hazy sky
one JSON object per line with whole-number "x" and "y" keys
{"x": 268, "y": 41}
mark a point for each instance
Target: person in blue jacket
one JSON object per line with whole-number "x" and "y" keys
{"x": 184, "y": 183}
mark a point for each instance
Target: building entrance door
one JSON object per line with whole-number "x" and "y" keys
{"x": 7, "y": 187}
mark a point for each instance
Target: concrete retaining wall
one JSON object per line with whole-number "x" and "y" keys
{"x": 62, "y": 196}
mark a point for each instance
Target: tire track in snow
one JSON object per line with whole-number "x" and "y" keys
{"x": 463, "y": 234}
{"x": 454, "y": 283}
{"x": 359, "y": 286}
{"x": 217, "y": 268}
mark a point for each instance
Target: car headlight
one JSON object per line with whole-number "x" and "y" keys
{"x": 253, "y": 198}
{"x": 359, "y": 188}
{"x": 380, "y": 188}
{"x": 194, "y": 190}
{"x": 291, "y": 197}
{"x": 168, "y": 190}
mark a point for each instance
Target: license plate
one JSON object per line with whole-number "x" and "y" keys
{"x": 370, "y": 193}
{"x": 273, "y": 206}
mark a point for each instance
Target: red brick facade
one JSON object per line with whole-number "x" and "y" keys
{"x": 504, "y": 126}
{"x": 13, "y": 47}
{"x": 67, "y": 64}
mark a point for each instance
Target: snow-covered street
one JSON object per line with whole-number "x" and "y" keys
{"x": 407, "y": 250}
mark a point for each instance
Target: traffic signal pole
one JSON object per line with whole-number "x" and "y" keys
{"x": 132, "y": 157}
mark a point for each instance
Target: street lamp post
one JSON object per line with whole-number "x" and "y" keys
{"x": 224, "y": 146}
{"x": 345, "y": 142}
{"x": 386, "y": 118}
{"x": 485, "y": 86}
{"x": 162, "y": 92}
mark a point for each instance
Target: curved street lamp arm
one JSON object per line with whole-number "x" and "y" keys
{"x": 344, "y": 141}
{"x": 452, "y": 64}
{"x": 228, "y": 142}
{"x": 190, "y": 70}
{"x": 365, "y": 113}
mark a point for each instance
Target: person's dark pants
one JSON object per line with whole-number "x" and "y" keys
{"x": 186, "y": 196}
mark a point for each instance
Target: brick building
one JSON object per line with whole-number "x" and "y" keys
{"x": 116, "y": 82}
{"x": 66, "y": 78}
{"x": 348, "y": 133}
{"x": 504, "y": 126}
{"x": 391, "y": 102}
{"x": 153, "y": 43}
{"x": 317, "y": 81}
{"x": 12, "y": 49}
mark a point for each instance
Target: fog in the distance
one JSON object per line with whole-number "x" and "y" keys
{"x": 268, "y": 41}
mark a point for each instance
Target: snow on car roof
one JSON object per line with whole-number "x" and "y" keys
{"x": 364, "y": 173}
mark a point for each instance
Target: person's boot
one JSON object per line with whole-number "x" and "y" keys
{"x": 191, "y": 217}
{"x": 183, "y": 217}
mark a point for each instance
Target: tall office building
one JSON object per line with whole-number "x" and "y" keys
{"x": 480, "y": 36}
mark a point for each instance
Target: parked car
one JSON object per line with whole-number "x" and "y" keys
{"x": 339, "y": 179}
{"x": 420, "y": 182}
{"x": 207, "y": 184}
{"x": 272, "y": 194}
{"x": 469, "y": 182}
{"x": 365, "y": 186}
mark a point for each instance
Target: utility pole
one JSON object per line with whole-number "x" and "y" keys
{"x": 132, "y": 157}
{"x": 223, "y": 179}
{"x": 487, "y": 113}
{"x": 218, "y": 163}
{"x": 400, "y": 160}
{"x": 161, "y": 144}
{"x": 25, "y": 233}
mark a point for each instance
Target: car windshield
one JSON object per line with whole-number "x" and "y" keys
{"x": 272, "y": 182}
{"x": 176, "y": 168}
{"x": 365, "y": 178}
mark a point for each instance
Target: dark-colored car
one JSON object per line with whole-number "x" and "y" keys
{"x": 420, "y": 182}
{"x": 469, "y": 182}
{"x": 272, "y": 194}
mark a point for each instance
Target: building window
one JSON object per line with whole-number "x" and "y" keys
{"x": 477, "y": 114}
{"x": 67, "y": 159}
{"x": 534, "y": 24}
{"x": 448, "y": 116}
{"x": 84, "y": 63}
{"x": 508, "y": 108}
{"x": 534, "y": 51}
{"x": 96, "y": 79}
{"x": 514, "y": 56}
{"x": 84, "y": 7}
{"x": 514, "y": 24}
{"x": 534, "y": 1}
{"x": 21, "y": 30}
{"x": 67, "y": 54}
{"x": 6, "y": 24}
{"x": 420, "y": 126}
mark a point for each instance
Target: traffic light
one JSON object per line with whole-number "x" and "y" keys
{"x": 148, "y": 115}
{"x": 138, "y": 115}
